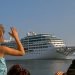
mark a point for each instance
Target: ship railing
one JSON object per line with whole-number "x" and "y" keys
{"x": 66, "y": 50}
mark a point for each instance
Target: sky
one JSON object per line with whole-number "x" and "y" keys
{"x": 55, "y": 17}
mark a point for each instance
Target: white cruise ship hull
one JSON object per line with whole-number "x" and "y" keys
{"x": 46, "y": 53}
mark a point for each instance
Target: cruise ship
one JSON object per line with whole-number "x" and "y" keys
{"x": 42, "y": 46}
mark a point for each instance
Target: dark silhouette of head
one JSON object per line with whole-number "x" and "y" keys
{"x": 18, "y": 70}
{"x": 71, "y": 69}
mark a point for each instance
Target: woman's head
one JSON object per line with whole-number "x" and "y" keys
{"x": 18, "y": 70}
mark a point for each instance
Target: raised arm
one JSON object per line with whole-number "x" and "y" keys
{"x": 11, "y": 51}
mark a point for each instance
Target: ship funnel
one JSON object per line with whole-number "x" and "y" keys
{"x": 31, "y": 33}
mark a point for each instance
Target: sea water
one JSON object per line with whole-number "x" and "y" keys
{"x": 41, "y": 67}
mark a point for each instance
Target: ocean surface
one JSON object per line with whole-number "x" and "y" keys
{"x": 42, "y": 67}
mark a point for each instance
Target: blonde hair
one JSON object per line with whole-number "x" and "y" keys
{"x": 2, "y": 28}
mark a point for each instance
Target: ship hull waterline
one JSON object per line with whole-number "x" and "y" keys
{"x": 45, "y": 54}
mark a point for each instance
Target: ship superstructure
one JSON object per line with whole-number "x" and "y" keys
{"x": 35, "y": 41}
{"x": 42, "y": 46}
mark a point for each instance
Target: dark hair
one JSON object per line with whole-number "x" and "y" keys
{"x": 2, "y": 28}
{"x": 18, "y": 70}
{"x": 71, "y": 69}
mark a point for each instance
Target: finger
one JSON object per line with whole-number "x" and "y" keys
{"x": 13, "y": 28}
{"x": 10, "y": 34}
{"x": 10, "y": 27}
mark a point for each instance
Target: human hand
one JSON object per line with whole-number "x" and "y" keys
{"x": 59, "y": 73}
{"x": 13, "y": 32}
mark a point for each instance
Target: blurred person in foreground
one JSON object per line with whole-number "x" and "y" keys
{"x": 59, "y": 73}
{"x": 18, "y": 70}
{"x": 70, "y": 71}
{"x": 4, "y": 50}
